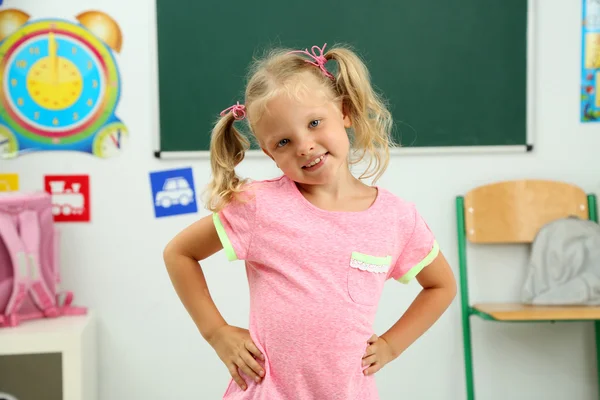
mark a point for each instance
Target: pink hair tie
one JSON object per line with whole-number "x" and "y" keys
{"x": 238, "y": 110}
{"x": 320, "y": 59}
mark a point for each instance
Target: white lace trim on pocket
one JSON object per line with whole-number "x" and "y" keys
{"x": 363, "y": 266}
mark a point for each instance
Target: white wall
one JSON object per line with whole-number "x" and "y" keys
{"x": 149, "y": 348}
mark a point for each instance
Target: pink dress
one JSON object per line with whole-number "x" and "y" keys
{"x": 315, "y": 278}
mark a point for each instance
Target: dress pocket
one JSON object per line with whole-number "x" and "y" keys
{"x": 366, "y": 276}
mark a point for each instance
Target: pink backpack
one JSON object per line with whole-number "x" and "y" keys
{"x": 29, "y": 270}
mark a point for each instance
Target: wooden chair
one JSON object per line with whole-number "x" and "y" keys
{"x": 513, "y": 212}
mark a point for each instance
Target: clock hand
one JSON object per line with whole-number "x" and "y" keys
{"x": 53, "y": 57}
{"x": 116, "y": 140}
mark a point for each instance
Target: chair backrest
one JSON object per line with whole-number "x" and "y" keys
{"x": 514, "y": 211}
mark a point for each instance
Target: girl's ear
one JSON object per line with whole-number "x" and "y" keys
{"x": 346, "y": 116}
{"x": 347, "y": 121}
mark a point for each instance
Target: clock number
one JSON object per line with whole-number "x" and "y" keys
{"x": 13, "y": 82}
{"x": 94, "y": 83}
{"x": 74, "y": 50}
{"x": 36, "y": 115}
{"x": 55, "y": 121}
{"x": 75, "y": 116}
{"x": 20, "y": 101}
{"x": 21, "y": 64}
{"x": 34, "y": 50}
{"x": 90, "y": 65}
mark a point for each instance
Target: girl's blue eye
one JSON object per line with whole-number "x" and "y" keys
{"x": 282, "y": 142}
{"x": 314, "y": 123}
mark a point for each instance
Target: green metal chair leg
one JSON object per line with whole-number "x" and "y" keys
{"x": 464, "y": 297}
{"x": 469, "y": 356}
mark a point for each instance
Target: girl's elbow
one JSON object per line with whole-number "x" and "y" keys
{"x": 170, "y": 252}
{"x": 451, "y": 289}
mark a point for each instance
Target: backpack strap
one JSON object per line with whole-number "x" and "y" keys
{"x": 38, "y": 290}
{"x": 50, "y": 304}
{"x": 16, "y": 249}
{"x": 56, "y": 261}
{"x": 64, "y": 301}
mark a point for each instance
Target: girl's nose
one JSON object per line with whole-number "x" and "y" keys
{"x": 306, "y": 147}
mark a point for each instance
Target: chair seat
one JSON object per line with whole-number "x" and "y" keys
{"x": 526, "y": 312}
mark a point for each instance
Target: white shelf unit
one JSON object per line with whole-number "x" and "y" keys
{"x": 74, "y": 337}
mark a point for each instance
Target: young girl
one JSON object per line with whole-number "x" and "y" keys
{"x": 318, "y": 243}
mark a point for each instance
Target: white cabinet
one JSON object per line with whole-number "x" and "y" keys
{"x": 53, "y": 359}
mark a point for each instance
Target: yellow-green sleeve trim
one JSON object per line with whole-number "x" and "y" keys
{"x": 229, "y": 251}
{"x": 414, "y": 271}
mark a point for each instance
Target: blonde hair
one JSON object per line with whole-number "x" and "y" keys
{"x": 279, "y": 71}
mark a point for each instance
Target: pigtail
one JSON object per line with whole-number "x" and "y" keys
{"x": 371, "y": 120}
{"x": 227, "y": 149}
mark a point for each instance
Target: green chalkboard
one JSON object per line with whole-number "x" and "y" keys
{"x": 453, "y": 71}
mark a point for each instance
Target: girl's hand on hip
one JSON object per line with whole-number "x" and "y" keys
{"x": 377, "y": 354}
{"x": 236, "y": 349}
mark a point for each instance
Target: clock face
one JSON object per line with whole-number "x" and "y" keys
{"x": 8, "y": 143}
{"x": 110, "y": 140}
{"x": 59, "y": 82}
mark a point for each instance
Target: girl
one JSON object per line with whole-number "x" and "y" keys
{"x": 318, "y": 243}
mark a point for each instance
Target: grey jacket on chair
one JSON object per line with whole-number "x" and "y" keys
{"x": 564, "y": 266}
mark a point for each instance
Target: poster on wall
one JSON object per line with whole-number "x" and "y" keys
{"x": 60, "y": 84}
{"x": 9, "y": 182}
{"x": 590, "y": 60}
{"x": 70, "y": 197}
{"x": 173, "y": 192}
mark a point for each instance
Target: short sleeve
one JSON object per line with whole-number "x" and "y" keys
{"x": 420, "y": 248}
{"x": 235, "y": 225}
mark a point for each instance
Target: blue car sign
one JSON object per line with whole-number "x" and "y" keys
{"x": 173, "y": 192}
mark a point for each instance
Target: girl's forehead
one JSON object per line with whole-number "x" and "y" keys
{"x": 309, "y": 98}
{"x": 290, "y": 102}
{"x": 285, "y": 110}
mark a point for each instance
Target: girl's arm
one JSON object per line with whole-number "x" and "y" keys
{"x": 439, "y": 289}
{"x": 181, "y": 256}
{"x": 233, "y": 345}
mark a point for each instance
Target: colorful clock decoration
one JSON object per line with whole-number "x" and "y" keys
{"x": 59, "y": 85}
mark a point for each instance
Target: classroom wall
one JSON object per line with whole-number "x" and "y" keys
{"x": 149, "y": 348}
